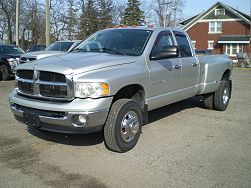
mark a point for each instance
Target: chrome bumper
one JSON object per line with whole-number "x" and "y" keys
{"x": 57, "y": 120}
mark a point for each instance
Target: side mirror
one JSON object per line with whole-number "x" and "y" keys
{"x": 165, "y": 53}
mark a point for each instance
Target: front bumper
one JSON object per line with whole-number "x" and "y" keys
{"x": 59, "y": 116}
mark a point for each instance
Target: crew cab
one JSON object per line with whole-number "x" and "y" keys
{"x": 113, "y": 78}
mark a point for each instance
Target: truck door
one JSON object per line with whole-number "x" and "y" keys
{"x": 189, "y": 66}
{"x": 165, "y": 74}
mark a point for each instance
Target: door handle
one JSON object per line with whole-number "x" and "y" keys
{"x": 177, "y": 66}
{"x": 194, "y": 64}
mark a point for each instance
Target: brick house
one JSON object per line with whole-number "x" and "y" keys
{"x": 221, "y": 29}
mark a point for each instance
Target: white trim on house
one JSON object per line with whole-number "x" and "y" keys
{"x": 200, "y": 18}
{"x": 239, "y": 49}
{"x": 202, "y": 15}
{"x": 215, "y": 10}
{"x": 214, "y": 24}
{"x": 209, "y": 43}
{"x": 221, "y": 20}
{"x": 233, "y": 42}
{"x": 193, "y": 44}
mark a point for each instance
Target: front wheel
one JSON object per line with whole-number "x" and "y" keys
{"x": 222, "y": 96}
{"x": 4, "y": 72}
{"x": 123, "y": 126}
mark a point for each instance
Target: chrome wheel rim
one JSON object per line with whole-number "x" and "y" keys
{"x": 225, "y": 96}
{"x": 129, "y": 126}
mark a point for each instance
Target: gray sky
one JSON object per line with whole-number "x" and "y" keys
{"x": 193, "y": 7}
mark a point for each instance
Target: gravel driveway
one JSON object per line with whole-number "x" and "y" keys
{"x": 184, "y": 145}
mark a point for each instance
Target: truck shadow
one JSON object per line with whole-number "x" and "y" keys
{"x": 194, "y": 102}
{"x": 97, "y": 138}
{"x": 68, "y": 139}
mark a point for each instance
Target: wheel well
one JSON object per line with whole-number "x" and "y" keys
{"x": 226, "y": 75}
{"x": 135, "y": 92}
{"x": 4, "y": 62}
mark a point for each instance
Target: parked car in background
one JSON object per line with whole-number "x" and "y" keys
{"x": 36, "y": 47}
{"x": 56, "y": 48}
{"x": 9, "y": 58}
{"x": 203, "y": 52}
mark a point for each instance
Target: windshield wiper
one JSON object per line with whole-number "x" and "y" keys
{"x": 78, "y": 50}
{"x": 113, "y": 51}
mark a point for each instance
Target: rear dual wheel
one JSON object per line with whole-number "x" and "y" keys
{"x": 220, "y": 98}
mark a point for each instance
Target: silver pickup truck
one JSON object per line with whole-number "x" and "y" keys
{"x": 113, "y": 78}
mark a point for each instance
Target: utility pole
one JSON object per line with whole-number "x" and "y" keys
{"x": 175, "y": 8}
{"x": 47, "y": 25}
{"x": 17, "y": 22}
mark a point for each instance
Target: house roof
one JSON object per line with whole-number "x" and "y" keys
{"x": 193, "y": 20}
{"x": 224, "y": 39}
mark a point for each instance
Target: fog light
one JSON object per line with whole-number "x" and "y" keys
{"x": 79, "y": 120}
{"x": 82, "y": 119}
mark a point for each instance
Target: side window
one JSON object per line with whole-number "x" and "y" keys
{"x": 185, "y": 49}
{"x": 163, "y": 40}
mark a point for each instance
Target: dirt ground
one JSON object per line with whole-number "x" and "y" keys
{"x": 184, "y": 145}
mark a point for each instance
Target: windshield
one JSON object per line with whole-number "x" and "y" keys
{"x": 119, "y": 41}
{"x": 60, "y": 46}
{"x": 10, "y": 50}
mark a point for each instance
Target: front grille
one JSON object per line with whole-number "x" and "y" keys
{"x": 52, "y": 91}
{"x": 25, "y": 74}
{"x": 25, "y": 87}
{"x": 52, "y": 77}
{"x": 44, "y": 85}
{"x": 26, "y": 59}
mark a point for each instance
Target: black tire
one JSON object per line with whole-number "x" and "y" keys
{"x": 209, "y": 100}
{"x": 222, "y": 96}
{"x": 120, "y": 112}
{"x": 4, "y": 72}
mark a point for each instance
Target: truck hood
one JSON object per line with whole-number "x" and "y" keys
{"x": 41, "y": 54}
{"x": 75, "y": 63}
{"x": 7, "y": 56}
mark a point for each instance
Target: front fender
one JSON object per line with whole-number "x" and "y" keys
{"x": 117, "y": 76}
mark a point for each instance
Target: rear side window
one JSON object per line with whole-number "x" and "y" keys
{"x": 185, "y": 49}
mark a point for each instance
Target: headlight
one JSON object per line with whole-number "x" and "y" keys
{"x": 13, "y": 61}
{"x": 92, "y": 90}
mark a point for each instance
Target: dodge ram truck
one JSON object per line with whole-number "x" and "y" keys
{"x": 113, "y": 78}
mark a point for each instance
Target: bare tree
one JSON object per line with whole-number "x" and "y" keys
{"x": 58, "y": 19}
{"x": 71, "y": 20}
{"x": 3, "y": 25}
{"x": 8, "y": 7}
{"x": 164, "y": 10}
{"x": 119, "y": 7}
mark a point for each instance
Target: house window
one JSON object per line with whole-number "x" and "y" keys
{"x": 219, "y": 11}
{"x": 210, "y": 45}
{"x": 193, "y": 44}
{"x": 215, "y": 27}
{"x": 233, "y": 49}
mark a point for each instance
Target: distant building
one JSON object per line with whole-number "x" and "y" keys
{"x": 221, "y": 29}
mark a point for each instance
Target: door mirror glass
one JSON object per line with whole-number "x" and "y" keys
{"x": 165, "y": 53}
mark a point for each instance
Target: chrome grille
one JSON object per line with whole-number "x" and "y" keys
{"x": 44, "y": 84}
{"x": 25, "y": 60}
{"x": 52, "y": 77}
{"x": 52, "y": 91}
{"x": 25, "y": 74}
{"x": 25, "y": 87}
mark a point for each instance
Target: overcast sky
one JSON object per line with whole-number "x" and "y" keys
{"x": 193, "y": 7}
